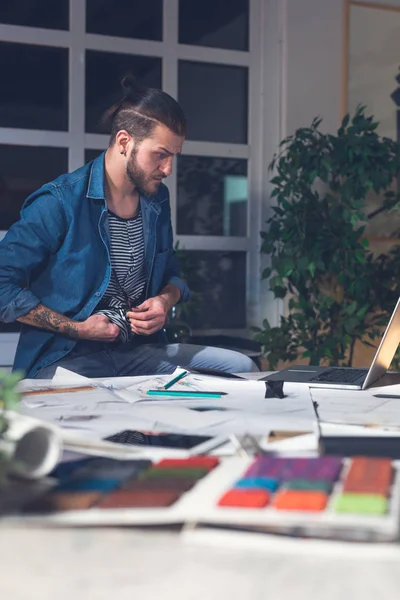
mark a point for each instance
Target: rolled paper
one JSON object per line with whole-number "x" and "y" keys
{"x": 36, "y": 452}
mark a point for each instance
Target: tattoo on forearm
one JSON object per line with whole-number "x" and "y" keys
{"x": 42, "y": 317}
{"x": 71, "y": 330}
{"x": 48, "y": 319}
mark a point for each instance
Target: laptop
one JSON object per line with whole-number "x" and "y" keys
{"x": 348, "y": 377}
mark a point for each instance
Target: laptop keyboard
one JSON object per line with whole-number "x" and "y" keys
{"x": 337, "y": 375}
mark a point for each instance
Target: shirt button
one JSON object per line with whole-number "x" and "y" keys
{"x": 97, "y": 293}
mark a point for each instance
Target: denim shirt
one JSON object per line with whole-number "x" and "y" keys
{"x": 58, "y": 254}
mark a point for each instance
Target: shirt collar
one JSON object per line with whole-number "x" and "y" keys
{"x": 96, "y": 179}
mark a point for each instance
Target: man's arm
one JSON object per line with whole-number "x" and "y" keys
{"x": 96, "y": 327}
{"x": 43, "y": 317}
{"x": 171, "y": 295}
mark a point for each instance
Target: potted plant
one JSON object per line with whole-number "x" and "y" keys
{"x": 336, "y": 288}
{"x": 9, "y": 398}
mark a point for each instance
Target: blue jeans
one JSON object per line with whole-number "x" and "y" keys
{"x": 111, "y": 360}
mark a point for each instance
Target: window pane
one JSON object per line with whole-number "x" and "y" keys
{"x": 212, "y": 196}
{"x": 218, "y": 284}
{"x": 51, "y": 14}
{"x": 125, "y": 18}
{"x": 216, "y": 23}
{"x": 92, "y": 154}
{"x": 34, "y": 86}
{"x": 214, "y": 98}
{"x": 102, "y": 91}
{"x": 24, "y": 169}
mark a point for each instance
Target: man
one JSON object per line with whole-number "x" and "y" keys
{"x": 90, "y": 269}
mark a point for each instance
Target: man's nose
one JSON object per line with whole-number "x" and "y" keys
{"x": 166, "y": 168}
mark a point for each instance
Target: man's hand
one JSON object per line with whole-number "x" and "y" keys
{"x": 149, "y": 317}
{"x": 98, "y": 327}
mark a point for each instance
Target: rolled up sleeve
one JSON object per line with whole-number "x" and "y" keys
{"x": 173, "y": 271}
{"x": 26, "y": 245}
{"x": 172, "y": 277}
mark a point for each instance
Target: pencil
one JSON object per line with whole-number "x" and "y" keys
{"x": 59, "y": 390}
{"x": 174, "y": 380}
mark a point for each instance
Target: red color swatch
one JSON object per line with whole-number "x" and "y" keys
{"x": 139, "y": 499}
{"x": 245, "y": 498}
{"x": 206, "y": 462}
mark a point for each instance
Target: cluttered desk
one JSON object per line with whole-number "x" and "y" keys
{"x": 219, "y": 485}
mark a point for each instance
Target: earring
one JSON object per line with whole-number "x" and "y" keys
{"x": 123, "y": 152}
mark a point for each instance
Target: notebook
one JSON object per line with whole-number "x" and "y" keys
{"x": 348, "y": 377}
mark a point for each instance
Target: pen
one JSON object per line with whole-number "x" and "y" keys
{"x": 386, "y": 396}
{"x": 186, "y": 394}
{"x": 174, "y": 380}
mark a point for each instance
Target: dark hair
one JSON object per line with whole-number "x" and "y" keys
{"x": 141, "y": 109}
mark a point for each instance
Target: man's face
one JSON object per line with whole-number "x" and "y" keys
{"x": 151, "y": 161}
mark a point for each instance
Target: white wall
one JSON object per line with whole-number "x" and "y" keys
{"x": 374, "y": 56}
{"x": 304, "y": 61}
{"x": 383, "y": 2}
{"x": 313, "y": 54}
{"x": 313, "y": 43}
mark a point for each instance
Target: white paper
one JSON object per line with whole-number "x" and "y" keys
{"x": 386, "y": 389}
{"x": 100, "y": 412}
{"x": 357, "y": 407}
{"x": 116, "y": 404}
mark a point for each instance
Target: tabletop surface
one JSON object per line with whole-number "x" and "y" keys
{"x": 99, "y": 564}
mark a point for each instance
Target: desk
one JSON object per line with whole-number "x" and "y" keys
{"x": 93, "y": 564}
{"x": 103, "y": 564}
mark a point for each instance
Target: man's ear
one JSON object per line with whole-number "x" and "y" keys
{"x": 123, "y": 139}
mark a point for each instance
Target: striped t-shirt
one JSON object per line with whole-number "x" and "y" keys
{"x": 128, "y": 279}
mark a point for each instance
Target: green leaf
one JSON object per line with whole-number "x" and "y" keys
{"x": 312, "y": 268}
{"x": 345, "y": 121}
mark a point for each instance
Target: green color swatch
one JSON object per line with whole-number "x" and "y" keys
{"x": 307, "y": 485}
{"x": 365, "y": 504}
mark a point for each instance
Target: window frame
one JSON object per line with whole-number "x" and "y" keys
{"x": 264, "y": 61}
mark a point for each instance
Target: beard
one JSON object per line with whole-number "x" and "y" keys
{"x": 147, "y": 185}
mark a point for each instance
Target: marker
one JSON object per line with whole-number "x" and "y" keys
{"x": 186, "y": 394}
{"x": 174, "y": 380}
{"x": 377, "y": 446}
{"x": 386, "y": 396}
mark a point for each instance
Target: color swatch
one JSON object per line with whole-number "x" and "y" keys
{"x": 355, "y": 498}
{"x": 108, "y": 483}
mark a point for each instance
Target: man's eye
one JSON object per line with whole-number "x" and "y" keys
{"x": 161, "y": 155}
